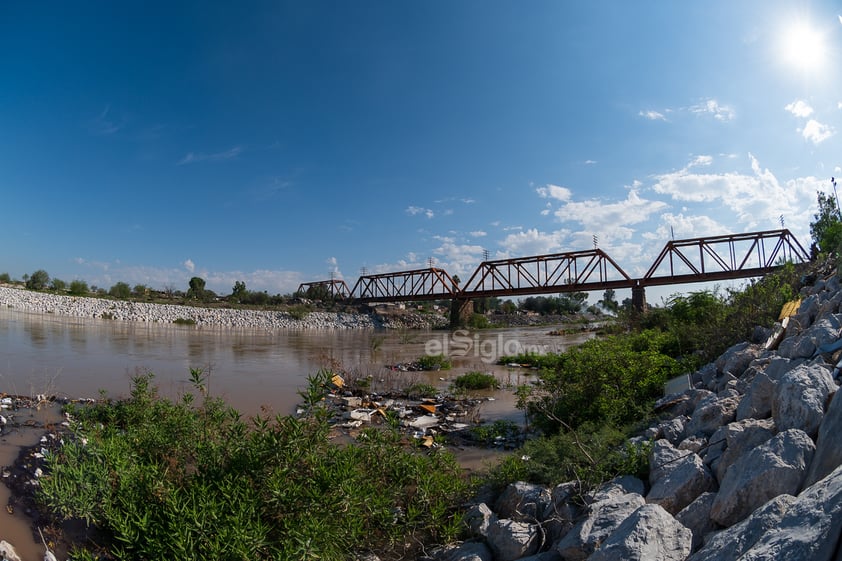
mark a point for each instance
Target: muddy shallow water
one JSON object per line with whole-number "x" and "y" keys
{"x": 78, "y": 357}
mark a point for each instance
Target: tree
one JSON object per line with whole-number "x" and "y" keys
{"x": 120, "y": 290}
{"x": 609, "y": 301}
{"x": 239, "y": 291}
{"x": 826, "y": 228}
{"x": 58, "y": 285}
{"x": 140, "y": 290}
{"x": 5, "y": 278}
{"x": 78, "y": 288}
{"x": 38, "y": 280}
{"x": 197, "y": 289}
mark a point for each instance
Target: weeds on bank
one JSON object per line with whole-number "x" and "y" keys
{"x": 187, "y": 480}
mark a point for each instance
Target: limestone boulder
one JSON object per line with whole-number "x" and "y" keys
{"x": 740, "y": 437}
{"x": 510, "y": 540}
{"x": 829, "y": 444}
{"x": 824, "y": 331}
{"x": 617, "y": 487}
{"x": 736, "y": 359}
{"x": 673, "y": 429}
{"x": 696, "y": 518}
{"x": 774, "y": 468}
{"x": 649, "y": 533}
{"x": 730, "y": 543}
{"x": 478, "y": 519}
{"x": 800, "y": 396}
{"x": 562, "y": 511}
{"x": 711, "y": 415}
{"x": 757, "y": 399}
{"x": 524, "y": 502}
{"x": 682, "y": 485}
{"x": 601, "y": 520}
{"x": 662, "y": 459}
{"x": 810, "y": 528}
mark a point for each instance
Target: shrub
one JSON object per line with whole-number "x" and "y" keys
{"x": 140, "y": 291}
{"x": 476, "y": 381}
{"x": 78, "y": 288}
{"x": 420, "y": 391}
{"x": 39, "y": 280}
{"x": 5, "y": 278}
{"x": 185, "y": 480}
{"x": 58, "y": 285}
{"x": 184, "y": 321}
{"x": 478, "y": 321}
{"x": 120, "y": 290}
{"x": 434, "y": 362}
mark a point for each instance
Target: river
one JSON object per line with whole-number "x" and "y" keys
{"x": 250, "y": 368}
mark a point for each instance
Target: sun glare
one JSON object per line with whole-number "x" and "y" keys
{"x": 803, "y": 47}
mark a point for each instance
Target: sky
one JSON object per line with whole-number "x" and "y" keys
{"x": 275, "y": 142}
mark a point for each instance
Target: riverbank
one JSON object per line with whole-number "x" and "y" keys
{"x": 123, "y": 310}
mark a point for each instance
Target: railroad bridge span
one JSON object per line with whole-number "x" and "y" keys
{"x": 704, "y": 259}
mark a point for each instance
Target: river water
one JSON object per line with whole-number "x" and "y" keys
{"x": 251, "y": 369}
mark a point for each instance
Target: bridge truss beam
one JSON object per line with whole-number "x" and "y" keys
{"x": 726, "y": 257}
{"x": 405, "y": 286}
{"x": 545, "y": 274}
{"x": 336, "y": 288}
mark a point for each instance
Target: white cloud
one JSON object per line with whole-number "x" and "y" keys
{"x": 817, "y": 132}
{"x": 590, "y": 162}
{"x": 189, "y": 265}
{"x": 652, "y": 115}
{"x": 712, "y": 107}
{"x": 554, "y": 192}
{"x": 534, "y": 242}
{"x": 610, "y": 220}
{"x": 799, "y": 108}
{"x": 193, "y": 157}
{"x": 756, "y": 199}
{"x": 414, "y": 210}
{"x": 468, "y": 201}
{"x": 478, "y": 234}
{"x": 683, "y": 227}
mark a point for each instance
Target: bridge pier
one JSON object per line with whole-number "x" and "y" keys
{"x": 639, "y": 298}
{"x": 461, "y": 310}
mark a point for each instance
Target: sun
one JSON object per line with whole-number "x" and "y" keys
{"x": 803, "y": 47}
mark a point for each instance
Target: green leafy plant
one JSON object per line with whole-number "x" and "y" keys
{"x": 194, "y": 480}
{"x": 476, "y": 381}
{"x": 420, "y": 391}
{"x": 434, "y": 362}
{"x": 184, "y": 321}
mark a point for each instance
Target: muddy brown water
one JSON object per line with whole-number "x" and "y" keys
{"x": 250, "y": 368}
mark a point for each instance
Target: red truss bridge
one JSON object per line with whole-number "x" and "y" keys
{"x": 710, "y": 258}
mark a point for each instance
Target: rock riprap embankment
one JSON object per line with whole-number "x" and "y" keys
{"x": 746, "y": 465}
{"x": 83, "y": 307}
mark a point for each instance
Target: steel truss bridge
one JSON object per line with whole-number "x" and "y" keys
{"x": 710, "y": 258}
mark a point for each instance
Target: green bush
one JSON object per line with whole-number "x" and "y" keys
{"x": 58, "y": 285}
{"x": 184, "y": 321}
{"x": 591, "y": 455}
{"x": 420, "y": 391}
{"x": 39, "y": 280}
{"x": 5, "y": 278}
{"x": 613, "y": 380}
{"x": 193, "y": 480}
{"x": 78, "y": 288}
{"x": 434, "y": 362}
{"x": 120, "y": 290}
{"x": 476, "y": 381}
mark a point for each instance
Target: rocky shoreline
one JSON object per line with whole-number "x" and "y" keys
{"x": 744, "y": 465}
{"x": 122, "y": 310}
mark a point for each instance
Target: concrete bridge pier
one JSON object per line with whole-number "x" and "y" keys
{"x": 461, "y": 310}
{"x": 638, "y": 298}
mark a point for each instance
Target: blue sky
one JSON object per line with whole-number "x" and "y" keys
{"x": 275, "y": 142}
